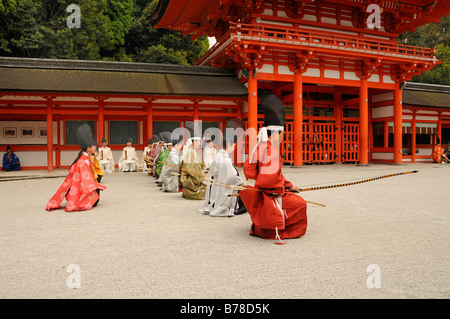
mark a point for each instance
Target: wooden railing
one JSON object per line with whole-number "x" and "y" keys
{"x": 318, "y": 39}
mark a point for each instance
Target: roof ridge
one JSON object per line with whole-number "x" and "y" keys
{"x": 429, "y": 87}
{"x": 115, "y": 66}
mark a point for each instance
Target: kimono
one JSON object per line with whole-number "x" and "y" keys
{"x": 161, "y": 160}
{"x": 147, "y": 150}
{"x": 275, "y": 213}
{"x": 154, "y": 157}
{"x": 106, "y": 159}
{"x": 437, "y": 154}
{"x": 168, "y": 180}
{"x": 10, "y": 162}
{"x": 217, "y": 202}
{"x": 98, "y": 173}
{"x": 447, "y": 151}
{"x": 79, "y": 188}
{"x": 192, "y": 176}
{"x": 128, "y": 161}
{"x": 208, "y": 156}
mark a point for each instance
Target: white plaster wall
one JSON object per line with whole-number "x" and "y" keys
{"x": 18, "y": 125}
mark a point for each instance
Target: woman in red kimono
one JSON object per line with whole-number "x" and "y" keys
{"x": 276, "y": 212}
{"x": 79, "y": 187}
{"x": 438, "y": 155}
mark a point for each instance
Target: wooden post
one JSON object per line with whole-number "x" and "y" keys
{"x": 298, "y": 119}
{"x": 397, "y": 125}
{"x": 439, "y": 128}
{"x": 196, "y": 116}
{"x": 58, "y": 142}
{"x": 413, "y": 138}
{"x": 101, "y": 121}
{"x": 49, "y": 135}
{"x": 364, "y": 123}
{"x": 338, "y": 117}
{"x": 149, "y": 120}
{"x": 252, "y": 111}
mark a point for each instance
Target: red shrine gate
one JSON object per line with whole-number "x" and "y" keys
{"x": 324, "y": 141}
{"x": 316, "y": 56}
{"x": 341, "y": 82}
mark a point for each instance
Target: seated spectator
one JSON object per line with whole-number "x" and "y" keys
{"x": 128, "y": 162}
{"x": 10, "y": 160}
{"x": 437, "y": 155}
{"x": 447, "y": 150}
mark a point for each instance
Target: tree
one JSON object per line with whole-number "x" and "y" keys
{"x": 117, "y": 30}
{"x": 429, "y": 36}
{"x": 147, "y": 44}
{"x": 38, "y": 28}
{"x": 7, "y": 6}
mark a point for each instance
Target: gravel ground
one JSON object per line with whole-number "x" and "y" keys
{"x": 383, "y": 239}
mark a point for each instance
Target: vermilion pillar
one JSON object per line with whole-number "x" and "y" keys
{"x": 196, "y": 114}
{"x": 338, "y": 117}
{"x": 101, "y": 121}
{"x": 252, "y": 110}
{"x": 149, "y": 121}
{"x": 397, "y": 125}
{"x": 49, "y": 135}
{"x": 413, "y": 138}
{"x": 298, "y": 119}
{"x": 364, "y": 123}
{"x": 439, "y": 128}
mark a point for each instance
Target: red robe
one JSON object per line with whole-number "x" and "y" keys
{"x": 270, "y": 219}
{"x": 82, "y": 185}
{"x": 437, "y": 153}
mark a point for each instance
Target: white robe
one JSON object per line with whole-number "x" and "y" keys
{"x": 143, "y": 164}
{"x": 131, "y": 162}
{"x": 217, "y": 202}
{"x": 168, "y": 180}
{"x": 208, "y": 156}
{"x": 106, "y": 160}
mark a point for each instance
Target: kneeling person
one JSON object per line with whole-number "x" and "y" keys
{"x": 170, "y": 173}
{"x": 79, "y": 187}
{"x": 222, "y": 171}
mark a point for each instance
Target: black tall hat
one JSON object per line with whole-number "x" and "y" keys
{"x": 193, "y": 129}
{"x": 237, "y": 126}
{"x": 176, "y": 141}
{"x": 85, "y": 137}
{"x": 150, "y": 141}
{"x": 165, "y": 136}
{"x": 273, "y": 110}
{"x": 104, "y": 140}
{"x": 156, "y": 138}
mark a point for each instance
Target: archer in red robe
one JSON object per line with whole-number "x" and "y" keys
{"x": 276, "y": 212}
{"x": 79, "y": 187}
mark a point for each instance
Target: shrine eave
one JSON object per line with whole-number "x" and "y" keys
{"x": 196, "y": 16}
{"x": 71, "y": 76}
{"x": 426, "y": 95}
{"x": 175, "y": 14}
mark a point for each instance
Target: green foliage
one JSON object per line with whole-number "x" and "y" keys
{"x": 429, "y": 36}
{"x": 39, "y": 29}
{"x": 7, "y": 6}
{"x": 116, "y": 30}
{"x": 147, "y": 44}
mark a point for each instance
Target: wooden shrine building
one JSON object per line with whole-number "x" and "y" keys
{"x": 48, "y": 99}
{"x": 342, "y": 77}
